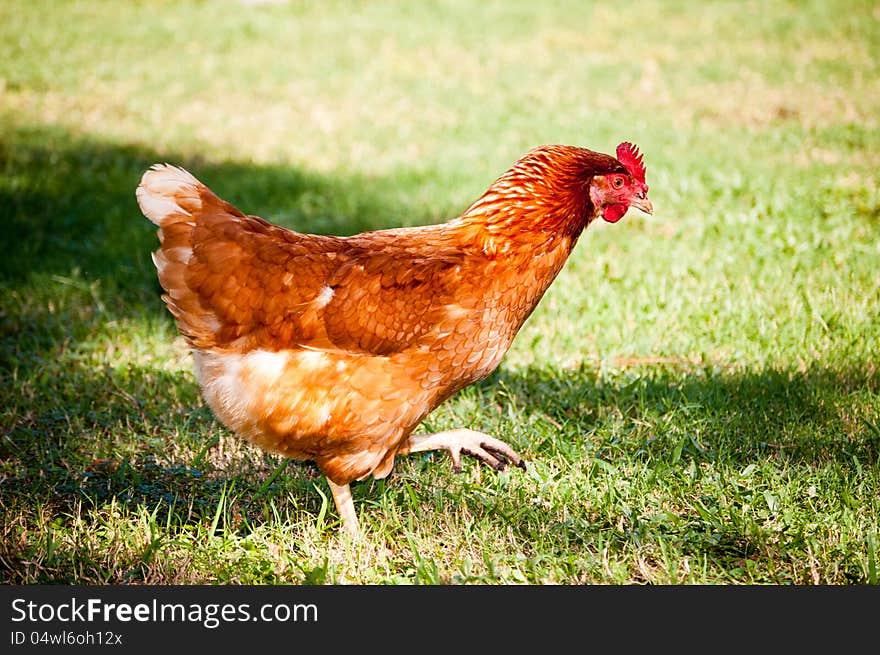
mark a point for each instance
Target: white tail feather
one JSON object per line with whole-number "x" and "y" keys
{"x": 160, "y": 189}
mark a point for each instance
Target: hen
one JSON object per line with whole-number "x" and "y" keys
{"x": 334, "y": 349}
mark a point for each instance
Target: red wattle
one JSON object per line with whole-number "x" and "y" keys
{"x": 613, "y": 213}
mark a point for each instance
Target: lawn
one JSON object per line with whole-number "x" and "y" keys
{"x": 696, "y": 395}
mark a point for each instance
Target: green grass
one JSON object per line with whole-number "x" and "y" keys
{"x": 697, "y": 395}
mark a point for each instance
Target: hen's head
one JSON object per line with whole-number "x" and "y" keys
{"x": 560, "y": 189}
{"x": 623, "y": 187}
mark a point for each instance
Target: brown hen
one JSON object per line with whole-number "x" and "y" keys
{"x": 334, "y": 349}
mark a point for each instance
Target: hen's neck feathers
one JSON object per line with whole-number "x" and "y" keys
{"x": 547, "y": 191}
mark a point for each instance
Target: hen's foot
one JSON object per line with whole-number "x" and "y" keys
{"x": 489, "y": 450}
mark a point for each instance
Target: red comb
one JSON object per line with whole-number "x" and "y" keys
{"x": 628, "y": 155}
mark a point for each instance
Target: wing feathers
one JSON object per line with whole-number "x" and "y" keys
{"x": 228, "y": 276}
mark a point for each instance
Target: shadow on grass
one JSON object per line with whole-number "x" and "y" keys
{"x": 654, "y": 411}
{"x": 127, "y": 450}
{"x": 134, "y": 436}
{"x": 69, "y": 202}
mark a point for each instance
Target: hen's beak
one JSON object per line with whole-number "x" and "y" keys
{"x": 642, "y": 202}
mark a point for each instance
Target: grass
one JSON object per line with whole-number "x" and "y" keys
{"x": 697, "y": 394}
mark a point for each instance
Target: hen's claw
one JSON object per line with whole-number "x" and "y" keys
{"x": 489, "y": 450}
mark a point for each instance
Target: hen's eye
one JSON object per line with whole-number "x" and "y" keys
{"x": 617, "y": 182}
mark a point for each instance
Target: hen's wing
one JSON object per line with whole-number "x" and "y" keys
{"x": 236, "y": 281}
{"x": 385, "y": 297}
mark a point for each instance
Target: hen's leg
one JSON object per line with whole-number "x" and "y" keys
{"x": 489, "y": 450}
{"x": 345, "y": 507}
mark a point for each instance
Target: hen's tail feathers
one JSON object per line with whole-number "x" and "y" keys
{"x": 167, "y": 193}
{"x": 170, "y": 194}
{"x": 177, "y": 202}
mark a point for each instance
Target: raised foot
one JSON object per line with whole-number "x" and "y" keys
{"x": 489, "y": 450}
